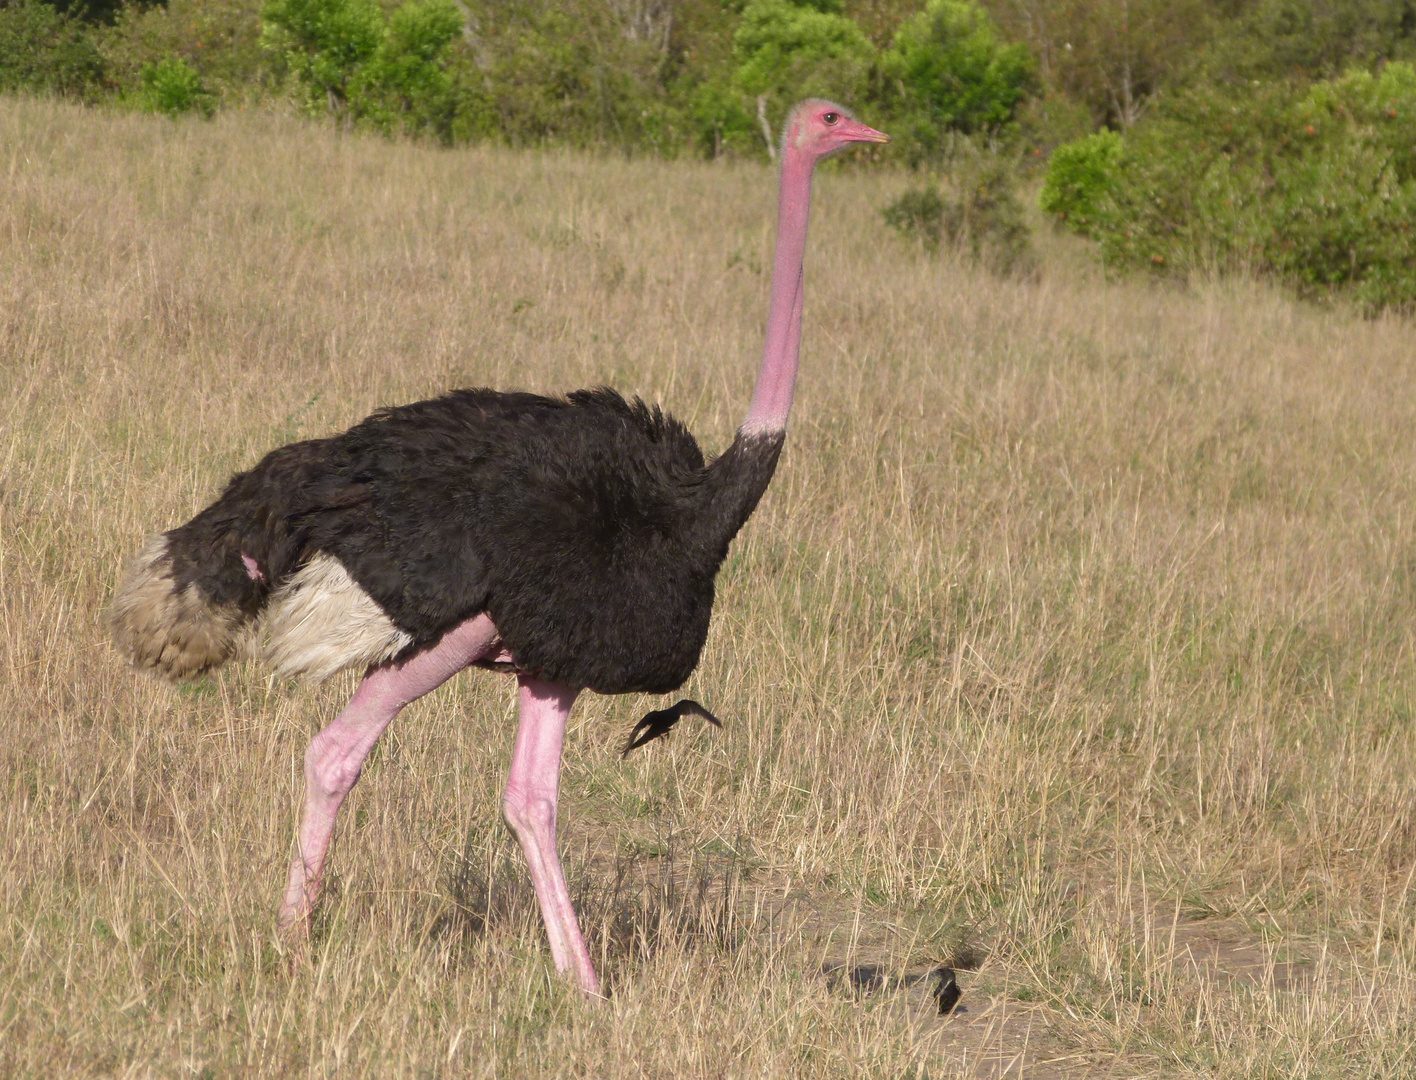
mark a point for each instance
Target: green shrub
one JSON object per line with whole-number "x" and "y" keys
{"x": 1047, "y": 121}
{"x": 43, "y": 50}
{"x": 949, "y": 70}
{"x": 395, "y": 72}
{"x": 405, "y": 84}
{"x": 1080, "y": 177}
{"x": 572, "y": 72}
{"x": 173, "y": 87}
{"x": 1273, "y": 39}
{"x": 973, "y": 210}
{"x": 720, "y": 121}
{"x": 1315, "y": 186}
{"x": 324, "y": 43}
{"x": 543, "y": 74}
{"x": 219, "y": 39}
{"x": 919, "y": 214}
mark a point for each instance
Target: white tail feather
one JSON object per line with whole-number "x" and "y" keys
{"x": 174, "y": 633}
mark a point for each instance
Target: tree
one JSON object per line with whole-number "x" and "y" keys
{"x": 1314, "y": 185}
{"x": 42, "y": 49}
{"x": 219, "y": 39}
{"x": 1114, "y": 55}
{"x": 173, "y": 86}
{"x": 325, "y": 43}
{"x": 405, "y": 83}
{"x": 391, "y": 72}
{"x": 785, "y": 51}
{"x": 1309, "y": 38}
{"x": 949, "y": 70}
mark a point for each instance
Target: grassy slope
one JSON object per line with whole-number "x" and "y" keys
{"x": 1074, "y": 636}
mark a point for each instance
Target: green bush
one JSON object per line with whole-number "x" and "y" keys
{"x": 1274, "y": 39}
{"x": 720, "y": 121}
{"x": 45, "y": 51}
{"x": 712, "y": 76}
{"x": 1049, "y": 120}
{"x": 572, "y": 72}
{"x": 973, "y": 210}
{"x": 395, "y": 72}
{"x": 1080, "y": 177}
{"x": 1315, "y": 186}
{"x": 219, "y": 39}
{"x": 173, "y": 87}
{"x": 543, "y": 74}
{"x": 920, "y": 214}
{"x": 949, "y": 70}
{"x": 324, "y": 43}
{"x": 405, "y": 84}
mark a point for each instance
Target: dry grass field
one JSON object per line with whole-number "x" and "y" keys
{"x": 1072, "y": 645}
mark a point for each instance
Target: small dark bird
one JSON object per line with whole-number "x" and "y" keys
{"x": 945, "y": 989}
{"x": 573, "y": 541}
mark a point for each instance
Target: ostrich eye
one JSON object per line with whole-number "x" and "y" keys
{"x": 831, "y": 117}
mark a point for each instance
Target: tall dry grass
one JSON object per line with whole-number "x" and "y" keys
{"x": 1073, "y": 640}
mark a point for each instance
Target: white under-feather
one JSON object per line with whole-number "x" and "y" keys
{"x": 321, "y": 622}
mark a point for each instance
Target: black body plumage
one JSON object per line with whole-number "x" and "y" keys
{"x": 589, "y": 528}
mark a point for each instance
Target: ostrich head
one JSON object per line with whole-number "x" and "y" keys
{"x": 818, "y": 128}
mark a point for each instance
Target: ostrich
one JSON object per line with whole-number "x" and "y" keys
{"x": 570, "y": 541}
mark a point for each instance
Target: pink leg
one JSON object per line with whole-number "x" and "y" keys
{"x": 336, "y": 756}
{"x": 530, "y": 804}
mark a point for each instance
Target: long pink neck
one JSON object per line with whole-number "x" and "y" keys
{"x": 776, "y": 381}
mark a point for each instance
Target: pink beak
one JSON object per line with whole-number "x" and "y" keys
{"x": 858, "y": 132}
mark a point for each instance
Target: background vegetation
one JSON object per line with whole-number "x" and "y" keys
{"x": 1236, "y": 83}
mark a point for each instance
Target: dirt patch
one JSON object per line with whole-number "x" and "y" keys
{"x": 984, "y": 1035}
{"x": 1226, "y": 951}
{"x": 992, "y": 1034}
{"x": 632, "y": 898}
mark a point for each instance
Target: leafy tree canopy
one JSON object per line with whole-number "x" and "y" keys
{"x": 950, "y": 70}
{"x": 43, "y": 49}
{"x": 324, "y": 41}
{"x": 786, "y": 51}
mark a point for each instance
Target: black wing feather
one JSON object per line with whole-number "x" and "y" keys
{"x": 661, "y": 722}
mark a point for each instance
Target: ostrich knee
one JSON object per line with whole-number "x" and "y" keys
{"x": 531, "y": 817}
{"x": 330, "y": 774}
